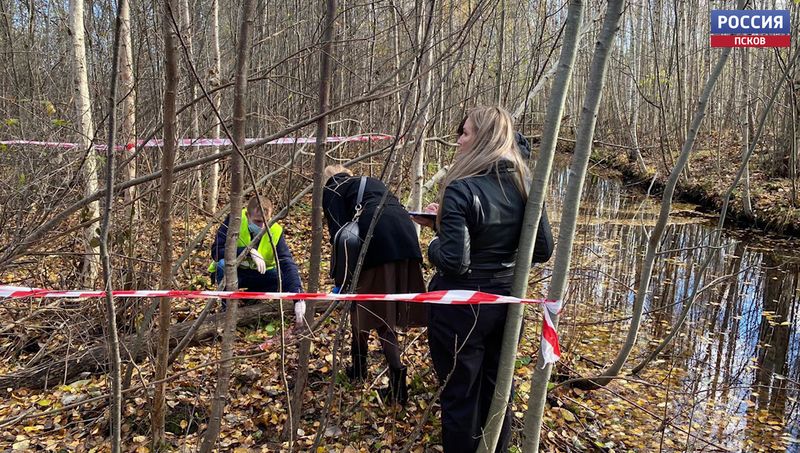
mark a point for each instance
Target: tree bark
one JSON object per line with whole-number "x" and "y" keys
{"x": 214, "y": 81}
{"x": 83, "y": 108}
{"x": 237, "y": 181}
{"x": 128, "y": 90}
{"x": 171, "y": 12}
{"x": 569, "y": 216}
{"x": 530, "y": 225}
{"x": 115, "y": 409}
{"x": 187, "y": 31}
{"x": 747, "y": 207}
{"x": 636, "y": 47}
{"x": 426, "y": 60}
{"x": 325, "y": 76}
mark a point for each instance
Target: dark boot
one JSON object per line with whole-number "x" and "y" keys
{"x": 357, "y": 372}
{"x": 397, "y": 392}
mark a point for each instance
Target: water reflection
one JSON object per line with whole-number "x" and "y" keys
{"x": 741, "y": 343}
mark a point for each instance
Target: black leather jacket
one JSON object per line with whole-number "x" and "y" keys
{"x": 481, "y": 221}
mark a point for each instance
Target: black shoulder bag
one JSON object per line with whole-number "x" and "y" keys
{"x": 347, "y": 245}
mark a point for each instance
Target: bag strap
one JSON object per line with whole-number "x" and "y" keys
{"x": 362, "y": 185}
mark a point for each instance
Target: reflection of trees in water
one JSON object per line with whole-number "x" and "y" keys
{"x": 726, "y": 323}
{"x": 780, "y": 298}
{"x": 724, "y": 329}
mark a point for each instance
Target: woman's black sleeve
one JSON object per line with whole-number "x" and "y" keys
{"x": 543, "y": 249}
{"x": 450, "y": 249}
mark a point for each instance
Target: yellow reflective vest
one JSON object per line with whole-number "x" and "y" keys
{"x": 265, "y": 248}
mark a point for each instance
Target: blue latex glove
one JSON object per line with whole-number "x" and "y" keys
{"x": 221, "y": 263}
{"x": 336, "y": 290}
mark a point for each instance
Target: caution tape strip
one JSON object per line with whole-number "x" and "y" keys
{"x": 550, "y": 347}
{"x": 201, "y": 142}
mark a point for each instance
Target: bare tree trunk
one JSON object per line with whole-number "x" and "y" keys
{"x": 582, "y": 151}
{"x": 569, "y": 217}
{"x": 541, "y": 84}
{"x": 658, "y": 230}
{"x": 793, "y": 159}
{"x": 128, "y": 131}
{"x": 325, "y": 76}
{"x": 501, "y": 50}
{"x": 83, "y": 109}
{"x": 237, "y": 182}
{"x": 214, "y": 81}
{"x": 169, "y": 21}
{"x": 187, "y": 30}
{"x": 637, "y": 46}
{"x": 426, "y": 60}
{"x": 747, "y": 207}
{"x": 115, "y": 416}
{"x": 530, "y": 225}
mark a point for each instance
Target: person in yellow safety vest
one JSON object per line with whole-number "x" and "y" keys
{"x": 259, "y": 271}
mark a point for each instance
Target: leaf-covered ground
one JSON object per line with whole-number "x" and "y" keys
{"x": 651, "y": 412}
{"x": 646, "y": 413}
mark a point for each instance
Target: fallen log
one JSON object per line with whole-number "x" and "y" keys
{"x": 94, "y": 359}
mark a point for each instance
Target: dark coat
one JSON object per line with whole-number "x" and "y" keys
{"x": 477, "y": 240}
{"x": 394, "y": 237}
{"x": 250, "y": 278}
{"x": 523, "y": 145}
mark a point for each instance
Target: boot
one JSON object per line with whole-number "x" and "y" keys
{"x": 397, "y": 392}
{"x": 357, "y": 372}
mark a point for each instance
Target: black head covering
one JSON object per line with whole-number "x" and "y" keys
{"x": 523, "y": 145}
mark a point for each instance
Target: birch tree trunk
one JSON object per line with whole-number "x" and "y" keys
{"x": 658, "y": 230}
{"x": 530, "y": 225}
{"x": 128, "y": 90}
{"x": 171, "y": 13}
{"x": 426, "y": 60}
{"x": 747, "y": 207}
{"x": 569, "y": 216}
{"x": 325, "y": 76}
{"x": 234, "y": 223}
{"x": 83, "y": 108}
{"x": 637, "y": 46}
{"x": 187, "y": 30}
{"x": 214, "y": 81}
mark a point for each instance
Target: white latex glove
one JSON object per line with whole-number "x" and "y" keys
{"x": 299, "y": 311}
{"x": 259, "y": 260}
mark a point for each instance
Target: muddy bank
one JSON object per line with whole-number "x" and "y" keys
{"x": 770, "y": 199}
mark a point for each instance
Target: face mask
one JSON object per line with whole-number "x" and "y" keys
{"x": 253, "y": 228}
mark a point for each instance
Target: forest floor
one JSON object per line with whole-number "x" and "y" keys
{"x": 646, "y": 413}
{"x": 711, "y": 170}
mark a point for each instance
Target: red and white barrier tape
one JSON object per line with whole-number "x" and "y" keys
{"x": 550, "y": 349}
{"x": 203, "y": 142}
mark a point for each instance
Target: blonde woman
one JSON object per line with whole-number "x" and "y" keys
{"x": 479, "y": 219}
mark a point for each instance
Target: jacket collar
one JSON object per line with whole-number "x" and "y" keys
{"x": 501, "y": 166}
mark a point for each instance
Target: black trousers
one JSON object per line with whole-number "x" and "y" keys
{"x": 465, "y": 343}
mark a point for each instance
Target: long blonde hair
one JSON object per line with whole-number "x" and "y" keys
{"x": 494, "y": 141}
